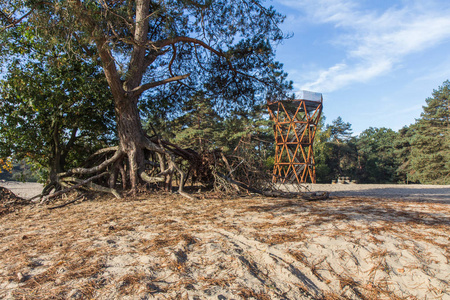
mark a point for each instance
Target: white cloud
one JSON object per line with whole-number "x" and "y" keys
{"x": 375, "y": 42}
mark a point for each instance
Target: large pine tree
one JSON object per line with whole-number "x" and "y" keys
{"x": 160, "y": 52}
{"x": 430, "y": 145}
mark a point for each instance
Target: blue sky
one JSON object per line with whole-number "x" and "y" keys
{"x": 374, "y": 61}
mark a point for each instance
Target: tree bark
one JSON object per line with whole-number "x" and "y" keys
{"x": 131, "y": 137}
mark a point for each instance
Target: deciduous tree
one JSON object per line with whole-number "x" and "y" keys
{"x": 55, "y": 112}
{"x": 377, "y": 162}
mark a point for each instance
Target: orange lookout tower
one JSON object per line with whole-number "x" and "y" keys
{"x": 295, "y": 127}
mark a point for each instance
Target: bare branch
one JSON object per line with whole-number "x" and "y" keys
{"x": 185, "y": 39}
{"x": 74, "y": 187}
{"x": 174, "y": 54}
{"x": 14, "y": 22}
{"x": 67, "y": 203}
{"x": 142, "y": 88}
{"x": 152, "y": 56}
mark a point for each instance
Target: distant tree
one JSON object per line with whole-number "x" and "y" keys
{"x": 429, "y": 161}
{"x": 402, "y": 152}
{"x": 339, "y": 130}
{"x": 377, "y": 162}
{"x": 322, "y": 151}
{"x": 335, "y": 151}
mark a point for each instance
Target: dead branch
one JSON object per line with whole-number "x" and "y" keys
{"x": 305, "y": 196}
{"x": 165, "y": 152}
{"x": 45, "y": 199}
{"x": 67, "y": 203}
{"x": 230, "y": 171}
{"x": 242, "y": 185}
{"x": 140, "y": 89}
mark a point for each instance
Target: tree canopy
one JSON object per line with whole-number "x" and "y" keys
{"x": 54, "y": 112}
{"x": 419, "y": 153}
{"x": 429, "y": 160}
{"x": 156, "y": 55}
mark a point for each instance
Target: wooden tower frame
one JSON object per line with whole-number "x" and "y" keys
{"x": 295, "y": 128}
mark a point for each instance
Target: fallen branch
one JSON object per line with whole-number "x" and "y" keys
{"x": 67, "y": 203}
{"x": 73, "y": 187}
{"x": 32, "y": 199}
{"x": 306, "y": 196}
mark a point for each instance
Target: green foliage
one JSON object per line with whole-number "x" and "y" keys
{"x": 429, "y": 160}
{"x": 377, "y": 162}
{"x": 202, "y": 129}
{"x": 335, "y": 151}
{"x": 54, "y": 109}
{"x": 322, "y": 151}
{"x": 419, "y": 153}
{"x": 339, "y": 130}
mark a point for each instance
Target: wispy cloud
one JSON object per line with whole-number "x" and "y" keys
{"x": 375, "y": 41}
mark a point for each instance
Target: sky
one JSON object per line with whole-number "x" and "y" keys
{"x": 374, "y": 61}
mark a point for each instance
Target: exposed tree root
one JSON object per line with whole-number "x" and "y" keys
{"x": 95, "y": 187}
{"x": 116, "y": 169}
{"x": 83, "y": 171}
{"x": 82, "y": 183}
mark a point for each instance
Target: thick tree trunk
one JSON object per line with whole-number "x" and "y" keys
{"x": 131, "y": 137}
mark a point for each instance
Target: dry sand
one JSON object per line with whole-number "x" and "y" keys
{"x": 24, "y": 190}
{"x": 162, "y": 246}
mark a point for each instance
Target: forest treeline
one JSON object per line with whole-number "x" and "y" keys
{"x": 418, "y": 153}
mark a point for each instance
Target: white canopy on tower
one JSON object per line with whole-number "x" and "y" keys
{"x": 307, "y": 95}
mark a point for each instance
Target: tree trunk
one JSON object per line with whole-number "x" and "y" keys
{"x": 56, "y": 164}
{"x": 131, "y": 137}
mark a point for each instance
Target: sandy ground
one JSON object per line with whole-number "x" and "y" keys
{"x": 403, "y": 191}
{"x": 162, "y": 246}
{"x": 23, "y": 189}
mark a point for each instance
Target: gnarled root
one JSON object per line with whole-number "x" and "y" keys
{"x": 165, "y": 155}
{"x": 78, "y": 185}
